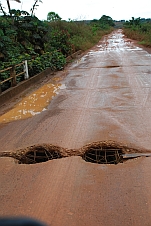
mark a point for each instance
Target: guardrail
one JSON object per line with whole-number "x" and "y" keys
{"x": 13, "y": 74}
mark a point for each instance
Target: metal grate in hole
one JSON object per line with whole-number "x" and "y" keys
{"x": 39, "y": 155}
{"x": 103, "y": 155}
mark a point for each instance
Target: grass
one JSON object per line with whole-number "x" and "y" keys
{"x": 140, "y": 33}
{"x": 83, "y": 36}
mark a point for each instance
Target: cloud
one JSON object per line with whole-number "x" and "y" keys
{"x": 87, "y": 9}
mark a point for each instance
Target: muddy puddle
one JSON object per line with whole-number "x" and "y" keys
{"x": 33, "y": 104}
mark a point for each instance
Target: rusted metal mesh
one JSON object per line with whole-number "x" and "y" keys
{"x": 35, "y": 154}
{"x": 103, "y": 155}
{"x": 103, "y": 152}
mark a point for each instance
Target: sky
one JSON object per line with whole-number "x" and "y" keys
{"x": 86, "y": 9}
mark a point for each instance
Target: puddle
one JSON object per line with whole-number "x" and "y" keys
{"x": 33, "y": 104}
{"x": 56, "y": 79}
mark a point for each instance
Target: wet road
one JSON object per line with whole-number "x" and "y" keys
{"x": 105, "y": 95}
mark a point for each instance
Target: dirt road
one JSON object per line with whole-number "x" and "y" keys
{"x": 105, "y": 95}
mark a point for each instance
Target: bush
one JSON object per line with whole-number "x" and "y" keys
{"x": 44, "y": 44}
{"x": 54, "y": 60}
{"x": 141, "y": 31}
{"x": 59, "y": 40}
{"x": 77, "y": 35}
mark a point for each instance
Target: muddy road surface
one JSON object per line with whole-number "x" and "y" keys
{"x": 103, "y": 99}
{"x": 105, "y": 95}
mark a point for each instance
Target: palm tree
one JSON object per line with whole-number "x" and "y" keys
{"x": 8, "y": 4}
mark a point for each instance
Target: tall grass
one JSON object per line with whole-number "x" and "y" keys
{"x": 82, "y": 36}
{"x": 142, "y": 33}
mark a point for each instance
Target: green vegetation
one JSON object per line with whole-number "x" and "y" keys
{"x": 72, "y": 36}
{"x": 139, "y": 29}
{"x": 52, "y": 16}
{"x": 45, "y": 44}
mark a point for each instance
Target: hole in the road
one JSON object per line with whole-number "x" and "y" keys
{"x": 101, "y": 152}
{"x": 103, "y": 155}
{"x": 35, "y": 154}
{"x": 38, "y": 155}
{"x": 112, "y": 66}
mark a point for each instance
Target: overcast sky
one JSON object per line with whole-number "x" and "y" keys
{"x": 87, "y": 9}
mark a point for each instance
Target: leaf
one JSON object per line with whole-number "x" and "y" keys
{"x": 36, "y": 36}
{"x": 1, "y": 44}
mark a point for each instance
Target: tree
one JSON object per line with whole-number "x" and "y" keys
{"x": 34, "y": 6}
{"x": 106, "y": 20}
{"x": 8, "y": 4}
{"x": 2, "y": 9}
{"x": 135, "y": 22}
{"x": 52, "y": 16}
{"x": 19, "y": 1}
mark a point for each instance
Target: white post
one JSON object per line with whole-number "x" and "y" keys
{"x": 26, "y": 75}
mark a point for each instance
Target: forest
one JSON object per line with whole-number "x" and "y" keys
{"x": 44, "y": 44}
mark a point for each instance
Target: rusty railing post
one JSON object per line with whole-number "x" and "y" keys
{"x": 13, "y": 75}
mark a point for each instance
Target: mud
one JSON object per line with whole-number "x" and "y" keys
{"x": 105, "y": 104}
{"x": 33, "y": 104}
{"x": 70, "y": 191}
{"x": 105, "y": 95}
